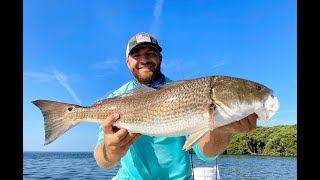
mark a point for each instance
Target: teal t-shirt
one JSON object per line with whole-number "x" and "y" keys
{"x": 155, "y": 158}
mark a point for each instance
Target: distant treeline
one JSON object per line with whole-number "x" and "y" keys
{"x": 275, "y": 141}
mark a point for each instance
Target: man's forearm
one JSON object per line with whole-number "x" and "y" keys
{"x": 214, "y": 143}
{"x": 102, "y": 158}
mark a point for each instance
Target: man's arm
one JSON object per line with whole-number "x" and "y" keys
{"x": 115, "y": 145}
{"x": 217, "y": 141}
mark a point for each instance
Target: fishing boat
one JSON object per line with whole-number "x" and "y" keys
{"x": 205, "y": 173}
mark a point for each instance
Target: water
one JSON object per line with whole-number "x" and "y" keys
{"x": 82, "y": 165}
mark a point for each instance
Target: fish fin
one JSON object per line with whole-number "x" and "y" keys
{"x": 170, "y": 84}
{"x": 55, "y": 122}
{"x": 140, "y": 89}
{"x": 210, "y": 116}
{"x": 194, "y": 138}
{"x": 101, "y": 101}
{"x": 221, "y": 106}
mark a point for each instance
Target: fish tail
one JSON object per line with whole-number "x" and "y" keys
{"x": 55, "y": 121}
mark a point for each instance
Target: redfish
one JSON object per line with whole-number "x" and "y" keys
{"x": 187, "y": 107}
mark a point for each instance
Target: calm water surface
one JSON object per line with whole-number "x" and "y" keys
{"x": 81, "y": 165}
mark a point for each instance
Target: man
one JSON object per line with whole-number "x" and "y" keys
{"x": 146, "y": 157}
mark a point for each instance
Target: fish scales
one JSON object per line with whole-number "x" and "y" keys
{"x": 159, "y": 112}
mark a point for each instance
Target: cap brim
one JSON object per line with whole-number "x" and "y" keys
{"x": 147, "y": 44}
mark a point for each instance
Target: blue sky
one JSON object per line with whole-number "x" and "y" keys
{"x": 74, "y": 51}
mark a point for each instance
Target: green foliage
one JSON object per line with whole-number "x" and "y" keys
{"x": 238, "y": 144}
{"x": 284, "y": 142}
{"x": 276, "y": 140}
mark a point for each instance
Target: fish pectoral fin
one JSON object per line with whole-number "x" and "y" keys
{"x": 194, "y": 138}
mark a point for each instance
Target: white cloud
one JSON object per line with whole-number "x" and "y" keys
{"x": 63, "y": 80}
{"x": 155, "y": 27}
{"x": 53, "y": 75}
{"x": 157, "y": 9}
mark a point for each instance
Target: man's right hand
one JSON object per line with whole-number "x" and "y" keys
{"x": 116, "y": 143}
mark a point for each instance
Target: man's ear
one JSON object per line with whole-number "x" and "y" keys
{"x": 160, "y": 57}
{"x": 127, "y": 61}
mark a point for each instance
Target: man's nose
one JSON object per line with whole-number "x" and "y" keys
{"x": 144, "y": 59}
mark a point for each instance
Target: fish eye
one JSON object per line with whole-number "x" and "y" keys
{"x": 70, "y": 108}
{"x": 259, "y": 87}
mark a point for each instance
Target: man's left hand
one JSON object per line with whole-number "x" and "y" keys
{"x": 245, "y": 125}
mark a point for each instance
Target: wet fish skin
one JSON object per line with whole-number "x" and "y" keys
{"x": 179, "y": 108}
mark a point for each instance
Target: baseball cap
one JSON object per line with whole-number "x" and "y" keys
{"x": 142, "y": 38}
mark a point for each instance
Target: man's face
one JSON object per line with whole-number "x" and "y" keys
{"x": 144, "y": 63}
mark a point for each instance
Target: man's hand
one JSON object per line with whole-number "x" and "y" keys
{"x": 245, "y": 125}
{"x": 116, "y": 143}
{"x": 217, "y": 141}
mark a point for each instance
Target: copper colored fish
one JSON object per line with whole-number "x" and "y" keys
{"x": 178, "y": 108}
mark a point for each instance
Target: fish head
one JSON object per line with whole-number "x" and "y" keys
{"x": 238, "y": 98}
{"x": 265, "y": 102}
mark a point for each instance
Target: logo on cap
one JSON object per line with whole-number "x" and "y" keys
{"x": 143, "y": 38}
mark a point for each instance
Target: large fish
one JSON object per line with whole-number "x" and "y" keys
{"x": 188, "y": 107}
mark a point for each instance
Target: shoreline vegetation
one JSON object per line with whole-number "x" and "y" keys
{"x": 278, "y": 140}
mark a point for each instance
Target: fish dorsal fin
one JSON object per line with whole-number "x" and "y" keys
{"x": 170, "y": 84}
{"x": 195, "y": 138}
{"x": 140, "y": 89}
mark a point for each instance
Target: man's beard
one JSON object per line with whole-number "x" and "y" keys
{"x": 154, "y": 75}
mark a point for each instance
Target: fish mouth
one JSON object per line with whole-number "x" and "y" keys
{"x": 272, "y": 103}
{"x": 270, "y": 107}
